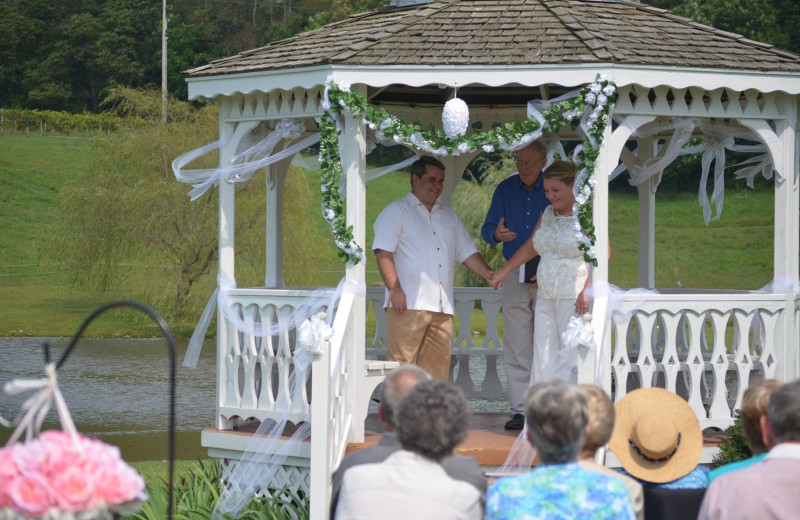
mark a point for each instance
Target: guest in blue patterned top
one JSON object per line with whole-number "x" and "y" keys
{"x": 557, "y": 416}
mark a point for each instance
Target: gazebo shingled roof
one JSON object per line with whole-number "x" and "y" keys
{"x": 512, "y": 32}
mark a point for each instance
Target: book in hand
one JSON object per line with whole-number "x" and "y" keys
{"x": 528, "y": 271}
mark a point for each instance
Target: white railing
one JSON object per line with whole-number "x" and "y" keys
{"x": 253, "y": 372}
{"x": 707, "y": 347}
{"x": 330, "y": 418}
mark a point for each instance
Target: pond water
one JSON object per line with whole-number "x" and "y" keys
{"x": 118, "y": 391}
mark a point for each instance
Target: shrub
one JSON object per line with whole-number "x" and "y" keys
{"x": 734, "y": 447}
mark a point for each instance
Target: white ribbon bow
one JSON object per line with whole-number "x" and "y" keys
{"x": 35, "y": 409}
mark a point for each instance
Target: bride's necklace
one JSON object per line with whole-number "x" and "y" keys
{"x": 566, "y": 215}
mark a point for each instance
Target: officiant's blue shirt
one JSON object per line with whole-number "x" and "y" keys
{"x": 521, "y": 208}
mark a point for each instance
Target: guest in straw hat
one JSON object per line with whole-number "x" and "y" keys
{"x": 658, "y": 441}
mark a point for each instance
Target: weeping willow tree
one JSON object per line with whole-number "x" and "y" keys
{"x": 127, "y": 226}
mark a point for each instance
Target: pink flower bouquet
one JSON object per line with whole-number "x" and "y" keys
{"x": 61, "y": 476}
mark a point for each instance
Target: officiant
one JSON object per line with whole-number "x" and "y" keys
{"x": 517, "y": 204}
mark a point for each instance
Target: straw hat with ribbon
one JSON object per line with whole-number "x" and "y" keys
{"x": 657, "y": 437}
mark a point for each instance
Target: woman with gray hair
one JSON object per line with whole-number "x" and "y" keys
{"x": 432, "y": 419}
{"x": 557, "y": 416}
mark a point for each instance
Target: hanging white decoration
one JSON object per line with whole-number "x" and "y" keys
{"x": 455, "y": 118}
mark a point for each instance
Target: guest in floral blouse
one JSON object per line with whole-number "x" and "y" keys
{"x": 557, "y": 416}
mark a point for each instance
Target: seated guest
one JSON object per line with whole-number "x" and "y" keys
{"x": 767, "y": 490}
{"x": 658, "y": 440}
{"x": 754, "y": 406}
{"x": 601, "y": 425}
{"x": 396, "y": 385}
{"x": 557, "y": 415}
{"x": 432, "y": 419}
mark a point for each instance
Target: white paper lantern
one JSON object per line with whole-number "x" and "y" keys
{"x": 455, "y": 118}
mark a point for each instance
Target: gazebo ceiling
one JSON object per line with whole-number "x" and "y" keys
{"x": 516, "y": 44}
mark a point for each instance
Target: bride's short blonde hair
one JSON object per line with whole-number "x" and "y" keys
{"x": 561, "y": 171}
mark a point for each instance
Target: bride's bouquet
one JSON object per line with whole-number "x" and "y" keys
{"x": 61, "y": 474}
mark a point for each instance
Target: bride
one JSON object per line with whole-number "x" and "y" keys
{"x": 562, "y": 276}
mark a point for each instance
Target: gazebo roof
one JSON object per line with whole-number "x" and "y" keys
{"x": 512, "y": 32}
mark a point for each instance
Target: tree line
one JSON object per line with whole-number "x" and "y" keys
{"x": 64, "y": 55}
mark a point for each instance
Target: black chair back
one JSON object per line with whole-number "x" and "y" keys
{"x": 672, "y": 504}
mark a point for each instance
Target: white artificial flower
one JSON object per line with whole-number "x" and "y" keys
{"x": 590, "y": 98}
{"x": 601, "y": 99}
{"x": 592, "y": 180}
{"x": 577, "y": 225}
{"x": 580, "y": 198}
{"x": 602, "y": 78}
{"x": 590, "y": 252}
{"x": 397, "y": 138}
{"x": 488, "y": 148}
{"x": 329, "y": 214}
{"x": 595, "y": 88}
{"x": 609, "y": 89}
{"x": 324, "y": 188}
{"x": 463, "y": 147}
{"x": 371, "y": 125}
{"x": 344, "y": 87}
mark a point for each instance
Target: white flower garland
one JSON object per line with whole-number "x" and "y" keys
{"x": 591, "y": 108}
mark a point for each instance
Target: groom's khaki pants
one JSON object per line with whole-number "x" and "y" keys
{"x": 422, "y": 338}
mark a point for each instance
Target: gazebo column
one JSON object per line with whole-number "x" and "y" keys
{"x": 352, "y": 147}
{"x": 784, "y": 147}
{"x": 647, "y": 217}
{"x": 610, "y": 152}
{"x": 275, "y": 179}
{"x": 454, "y": 167}
{"x": 226, "y": 248}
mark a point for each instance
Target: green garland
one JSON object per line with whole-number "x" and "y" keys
{"x": 592, "y": 106}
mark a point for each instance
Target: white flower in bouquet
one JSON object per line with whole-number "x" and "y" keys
{"x": 590, "y": 98}
{"x": 595, "y": 88}
{"x": 455, "y": 118}
{"x": 609, "y": 89}
{"x": 601, "y": 99}
{"x": 463, "y": 147}
{"x": 488, "y": 148}
{"x": 344, "y": 87}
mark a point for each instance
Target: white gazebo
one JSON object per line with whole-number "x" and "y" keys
{"x": 674, "y": 78}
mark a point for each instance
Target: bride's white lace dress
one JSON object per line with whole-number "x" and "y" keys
{"x": 561, "y": 276}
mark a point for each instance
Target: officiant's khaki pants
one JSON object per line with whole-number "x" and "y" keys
{"x": 422, "y": 338}
{"x": 519, "y": 301}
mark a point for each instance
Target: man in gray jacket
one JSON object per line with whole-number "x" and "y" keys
{"x": 397, "y": 384}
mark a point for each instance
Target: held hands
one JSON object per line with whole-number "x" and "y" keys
{"x": 497, "y": 278}
{"x": 502, "y": 233}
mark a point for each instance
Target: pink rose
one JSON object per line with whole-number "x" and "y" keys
{"x": 30, "y": 495}
{"x": 73, "y": 490}
{"x": 119, "y": 483}
{"x": 8, "y": 472}
{"x": 62, "y": 453}
{"x": 30, "y": 456}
